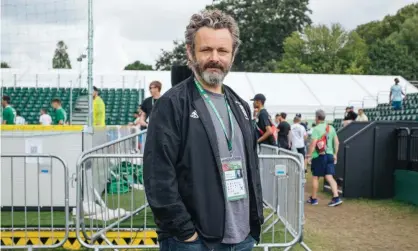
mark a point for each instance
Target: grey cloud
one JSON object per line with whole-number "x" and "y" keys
{"x": 131, "y": 30}
{"x": 62, "y": 12}
{"x": 351, "y": 13}
{"x": 157, "y": 20}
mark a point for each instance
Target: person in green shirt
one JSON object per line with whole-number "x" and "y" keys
{"x": 9, "y": 113}
{"x": 323, "y": 158}
{"x": 60, "y": 114}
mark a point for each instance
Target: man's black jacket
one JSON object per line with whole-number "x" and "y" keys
{"x": 182, "y": 167}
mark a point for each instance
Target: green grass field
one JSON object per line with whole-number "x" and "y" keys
{"x": 128, "y": 201}
{"x": 44, "y": 219}
{"x": 378, "y": 218}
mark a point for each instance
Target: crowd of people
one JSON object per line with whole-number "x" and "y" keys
{"x": 12, "y": 117}
{"x": 298, "y": 138}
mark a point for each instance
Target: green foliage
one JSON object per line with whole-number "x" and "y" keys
{"x": 138, "y": 66}
{"x": 373, "y": 31}
{"x": 320, "y": 49}
{"x": 5, "y": 65}
{"x": 61, "y": 59}
{"x": 393, "y": 43}
{"x": 277, "y": 37}
{"x": 175, "y": 57}
{"x": 389, "y": 58}
{"x": 263, "y": 24}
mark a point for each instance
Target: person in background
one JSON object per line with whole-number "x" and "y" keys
{"x": 350, "y": 115}
{"x": 298, "y": 136}
{"x": 201, "y": 167}
{"x": 283, "y": 131}
{"x": 136, "y": 119}
{"x": 263, "y": 122}
{"x": 302, "y": 123}
{"x": 255, "y": 113}
{"x": 277, "y": 120}
{"x": 60, "y": 114}
{"x": 19, "y": 119}
{"x": 136, "y": 124}
{"x": 45, "y": 119}
{"x": 323, "y": 156}
{"x": 148, "y": 104}
{"x": 99, "y": 109}
{"x": 311, "y": 129}
{"x": 254, "y": 119}
{"x": 362, "y": 117}
{"x": 9, "y": 113}
{"x": 395, "y": 96}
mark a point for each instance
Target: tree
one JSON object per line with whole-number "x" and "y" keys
{"x": 319, "y": 49}
{"x": 176, "y": 57}
{"x": 5, "y": 65}
{"x": 380, "y": 30}
{"x": 138, "y": 66}
{"x": 408, "y": 35}
{"x": 61, "y": 59}
{"x": 392, "y": 42}
{"x": 390, "y": 58}
{"x": 264, "y": 24}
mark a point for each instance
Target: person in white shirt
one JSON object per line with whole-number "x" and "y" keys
{"x": 45, "y": 119}
{"x": 298, "y": 136}
{"x": 19, "y": 119}
{"x": 362, "y": 117}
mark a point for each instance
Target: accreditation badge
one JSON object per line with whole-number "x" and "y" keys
{"x": 233, "y": 178}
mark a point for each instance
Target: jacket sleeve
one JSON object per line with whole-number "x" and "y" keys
{"x": 160, "y": 158}
{"x": 257, "y": 166}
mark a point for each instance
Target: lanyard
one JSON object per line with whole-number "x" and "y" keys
{"x": 152, "y": 101}
{"x": 209, "y": 101}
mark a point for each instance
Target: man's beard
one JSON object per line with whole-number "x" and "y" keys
{"x": 211, "y": 78}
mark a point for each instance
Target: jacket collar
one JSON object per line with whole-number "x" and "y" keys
{"x": 237, "y": 108}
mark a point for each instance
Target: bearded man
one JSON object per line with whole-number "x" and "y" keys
{"x": 201, "y": 169}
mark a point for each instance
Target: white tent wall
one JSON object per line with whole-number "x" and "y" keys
{"x": 290, "y": 93}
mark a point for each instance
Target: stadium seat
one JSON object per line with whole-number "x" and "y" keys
{"x": 409, "y": 112}
{"x": 120, "y": 103}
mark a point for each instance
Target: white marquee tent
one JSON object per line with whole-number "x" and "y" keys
{"x": 291, "y": 93}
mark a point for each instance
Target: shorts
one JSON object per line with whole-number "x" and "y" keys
{"x": 301, "y": 151}
{"x": 397, "y": 105}
{"x": 323, "y": 165}
{"x": 283, "y": 144}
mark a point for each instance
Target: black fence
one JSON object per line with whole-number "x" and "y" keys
{"x": 407, "y": 156}
{"x": 369, "y": 154}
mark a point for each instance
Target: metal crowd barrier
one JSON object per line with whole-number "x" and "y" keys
{"x": 121, "y": 206}
{"x": 104, "y": 139}
{"x": 34, "y": 180}
{"x": 110, "y": 197}
{"x": 283, "y": 180}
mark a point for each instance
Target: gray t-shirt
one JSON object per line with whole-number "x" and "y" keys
{"x": 237, "y": 218}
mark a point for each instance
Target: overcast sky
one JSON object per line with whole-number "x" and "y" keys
{"x": 129, "y": 30}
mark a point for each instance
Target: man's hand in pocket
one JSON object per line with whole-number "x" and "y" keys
{"x": 193, "y": 238}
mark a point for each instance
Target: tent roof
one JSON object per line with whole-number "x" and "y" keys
{"x": 284, "y": 92}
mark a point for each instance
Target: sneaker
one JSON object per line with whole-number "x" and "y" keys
{"x": 312, "y": 201}
{"x": 335, "y": 202}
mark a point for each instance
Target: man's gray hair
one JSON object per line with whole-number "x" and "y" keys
{"x": 214, "y": 19}
{"x": 320, "y": 114}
